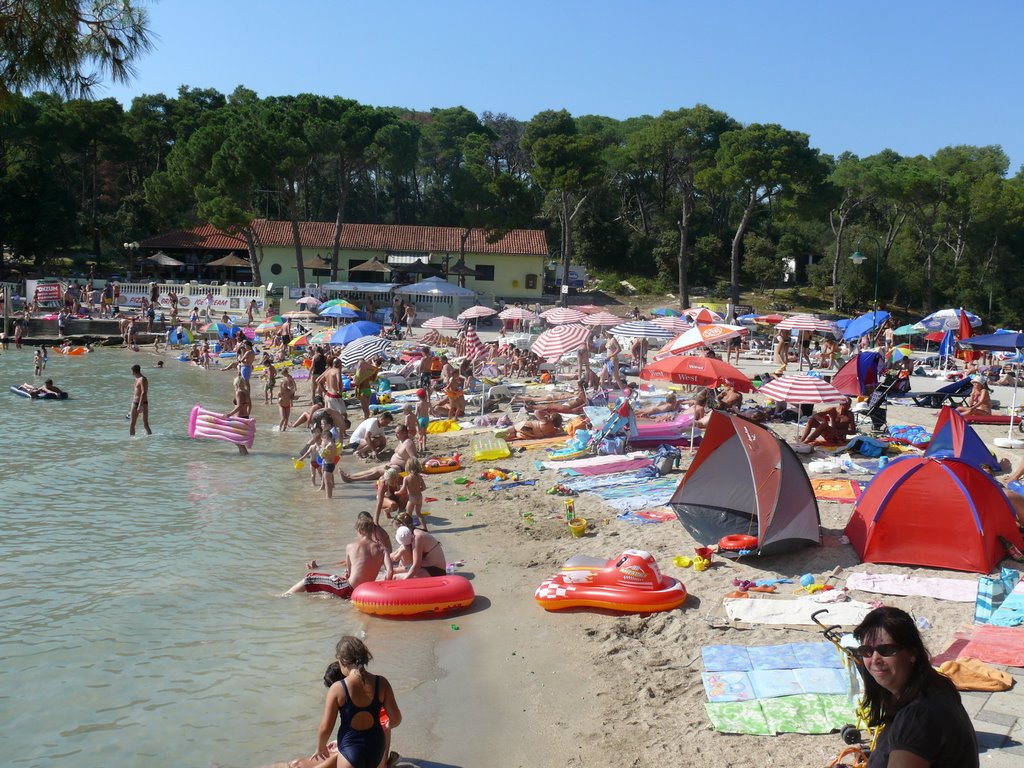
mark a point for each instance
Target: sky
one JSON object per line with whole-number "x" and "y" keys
{"x": 856, "y": 75}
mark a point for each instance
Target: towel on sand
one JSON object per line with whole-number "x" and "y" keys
{"x": 975, "y": 675}
{"x": 835, "y": 489}
{"x": 958, "y": 590}
{"x": 794, "y": 611}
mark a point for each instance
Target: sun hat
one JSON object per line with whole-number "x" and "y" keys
{"x": 404, "y": 536}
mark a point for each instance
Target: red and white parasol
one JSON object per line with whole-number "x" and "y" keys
{"x": 602, "y": 318}
{"x": 475, "y": 349}
{"x": 801, "y": 389}
{"x": 561, "y": 340}
{"x": 443, "y": 323}
{"x": 701, "y": 336}
{"x": 807, "y": 323}
{"x": 674, "y": 324}
{"x": 476, "y": 312}
{"x": 562, "y": 315}
{"x": 517, "y": 313}
{"x": 702, "y": 315}
{"x": 696, "y": 371}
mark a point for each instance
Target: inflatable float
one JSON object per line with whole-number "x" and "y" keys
{"x": 73, "y": 351}
{"x": 737, "y": 542}
{"x": 431, "y": 595}
{"x": 437, "y": 465}
{"x": 36, "y": 396}
{"x": 577, "y": 448}
{"x": 631, "y": 583}
{"x": 216, "y": 426}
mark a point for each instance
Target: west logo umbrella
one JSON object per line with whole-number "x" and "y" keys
{"x": 696, "y": 371}
{"x": 700, "y": 336}
{"x": 561, "y": 340}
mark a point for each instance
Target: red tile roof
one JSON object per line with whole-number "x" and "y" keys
{"x": 364, "y": 237}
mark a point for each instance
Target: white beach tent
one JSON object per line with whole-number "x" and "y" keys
{"x": 436, "y": 296}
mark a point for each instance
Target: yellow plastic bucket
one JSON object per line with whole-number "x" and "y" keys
{"x": 577, "y": 527}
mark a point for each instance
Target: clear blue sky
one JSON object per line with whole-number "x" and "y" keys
{"x": 861, "y": 75}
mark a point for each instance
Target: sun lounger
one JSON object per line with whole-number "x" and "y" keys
{"x": 991, "y": 418}
{"x": 951, "y": 394}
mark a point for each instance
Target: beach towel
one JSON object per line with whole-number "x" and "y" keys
{"x": 958, "y": 590}
{"x": 975, "y": 675}
{"x": 836, "y": 489}
{"x": 543, "y": 442}
{"x": 794, "y": 611}
{"x": 624, "y": 465}
{"x": 592, "y": 461}
{"x": 635, "y": 518}
{"x": 805, "y": 713}
{"x": 997, "y": 645}
{"x": 657, "y": 515}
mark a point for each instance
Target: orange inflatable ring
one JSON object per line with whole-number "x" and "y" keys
{"x": 431, "y": 595}
{"x": 436, "y": 465}
{"x": 736, "y": 542}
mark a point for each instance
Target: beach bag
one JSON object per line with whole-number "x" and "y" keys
{"x": 867, "y": 446}
{"x": 612, "y": 446}
{"x": 992, "y": 591}
{"x": 666, "y": 457}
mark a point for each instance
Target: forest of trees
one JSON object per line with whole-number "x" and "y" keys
{"x": 689, "y": 197}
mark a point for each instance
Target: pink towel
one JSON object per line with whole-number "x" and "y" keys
{"x": 626, "y": 465}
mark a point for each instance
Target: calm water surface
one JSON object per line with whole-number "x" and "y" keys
{"x": 140, "y": 615}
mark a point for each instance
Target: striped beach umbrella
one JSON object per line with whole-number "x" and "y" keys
{"x": 474, "y": 348}
{"x": 184, "y": 336}
{"x": 308, "y": 301}
{"x": 806, "y": 322}
{"x": 431, "y": 337}
{"x": 477, "y": 311}
{"x": 442, "y": 323}
{"x": 675, "y": 324}
{"x": 588, "y": 309}
{"x": 562, "y": 315}
{"x": 602, "y": 318}
{"x": 301, "y": 314}
{"x": 220, "y": 329}
{"x": 268, "y": 327}
{"x": 645, "y": 328}
{"x": 363, "y": 349}
{"x": 301, "y": 341}
{"x": 702, "y": 315}
{"x": 560, "y": 340}
{"x": 339, "y": 303}
{"x": 518, "y": 313}
{"x": 801, "y": 389}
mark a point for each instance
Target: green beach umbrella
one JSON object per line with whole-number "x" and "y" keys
{"x": 906, "y": 330}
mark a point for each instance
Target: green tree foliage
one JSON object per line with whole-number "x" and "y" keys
{"x": 68, "y": 45}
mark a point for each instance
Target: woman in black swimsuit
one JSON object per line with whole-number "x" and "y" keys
{"x": 362, "y": 741}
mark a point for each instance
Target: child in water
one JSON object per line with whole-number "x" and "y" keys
{"x": 38, "y": 359}
{"x": 328, "y": 458}
{"x": 269, "y": 381}
{"x": 413, "y": 487}
{"x": 312, "y": 450}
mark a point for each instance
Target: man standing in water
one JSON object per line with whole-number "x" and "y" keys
{"x": 140, "y": 401}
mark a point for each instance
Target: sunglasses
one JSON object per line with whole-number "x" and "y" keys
{"x": 867, "y": 651}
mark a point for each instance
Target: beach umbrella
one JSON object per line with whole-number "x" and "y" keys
{"x": 749, "y": 319}
{"x": 700, "y": 336}
{"x": 219, "y": 328}
{"x": 675, "y": 324}
{"x": 771, "y": 319}
{"x": 303, "y": 340}
{"x": 339, "y": 303}
{"x": 589, "y": 309}
{"x": 308, "y": 301}
{"x": 806, "y": 323}
{"x": 906, "y": 330}
{"x": 946, "y": 320}
{"x": 364, "y": 348}
{"x": 269, "y": 327}
{"x": 1001, "y": 342}
{"x": 865, "y": 324}
{"x": 431, "y": 337}
{"x": 602, "y": 318}
{"x": 338, "y": 310}
{"x": 301, "y": 314}
{"x": 641, "y": 328}
{"x": 801, "y": 389}
{"x": 965, "y": 333}
{"x": 696, "y": 371}
{"x": 321, "y": 337}
{"x": 560, "y": 340}
{"x": 562, "y": 315}
{"x": 442, "y": 323}
{"x": 702, "y": 315}
{"x": 184, "y": 337}
{"x": 935, "y": 337}
{"x": 349, "y": 333}
{"x": 275, "y": 319}
{"x": 666, "y": 312}
{"x": 899, "y": 352}
{"x": 517, "y": 313}
{"x": 372, "y": 265}
{"x": 474, "y": 348}
{"x": 476, "y": 312}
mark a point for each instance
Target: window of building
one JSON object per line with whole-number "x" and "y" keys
{"x": 486, "y": 272}
{"x": 275, "y": 269}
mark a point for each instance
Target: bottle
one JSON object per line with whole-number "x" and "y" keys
{"x": 450, "y": 568}
{"x": 1011, "y": 549}
{"x": 570, "y": 509}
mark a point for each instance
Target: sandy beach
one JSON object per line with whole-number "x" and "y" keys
{"x": 518, "y": 686}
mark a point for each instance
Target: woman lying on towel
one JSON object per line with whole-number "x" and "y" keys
{"x": 670, "y": 405}
{"x": 545, "y": 425}
{"x": 556, "y": 403}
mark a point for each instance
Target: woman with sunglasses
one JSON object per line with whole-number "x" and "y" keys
{"x": 924, "y": 722}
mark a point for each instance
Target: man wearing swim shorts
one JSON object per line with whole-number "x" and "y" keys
{"x": 363, "y": 559}
{"x": 426, "y": 365}
{"x": 404, "y": 450}
{"x": 331, "y": 385}
{"x": 140, "y": 401}
{"x": 246, "y": 357}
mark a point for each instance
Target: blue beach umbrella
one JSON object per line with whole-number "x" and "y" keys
{"x": 338, "y": 310}
{"x": 349, "y": 333}
{"x": 666, "y": 312}
{"x": 866, "y": 323}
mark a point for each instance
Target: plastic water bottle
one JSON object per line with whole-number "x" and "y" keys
{"x": 450, "y": 568}
{"x": 882, "y": 461}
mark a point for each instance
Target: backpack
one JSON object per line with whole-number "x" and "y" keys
{"x": 867, "y": 446}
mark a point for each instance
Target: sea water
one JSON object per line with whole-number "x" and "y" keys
{"x": 141, "y": 616}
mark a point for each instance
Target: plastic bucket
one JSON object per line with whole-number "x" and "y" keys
{"x": 704, "y": 553}
{"x": 577, "y": 527}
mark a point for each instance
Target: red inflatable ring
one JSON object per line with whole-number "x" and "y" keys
{"x": 736, "y": 542}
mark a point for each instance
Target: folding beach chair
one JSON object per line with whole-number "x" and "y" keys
{"x": 955, "y": 393}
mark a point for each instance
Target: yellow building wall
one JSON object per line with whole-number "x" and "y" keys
{"x": 510, "y": 271}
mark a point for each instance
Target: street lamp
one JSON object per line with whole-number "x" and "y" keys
{"x": 859, "y": 258}
{"x": 131, "y": 247}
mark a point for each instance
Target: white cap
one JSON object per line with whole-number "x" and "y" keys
{"x": 404, "y": 536}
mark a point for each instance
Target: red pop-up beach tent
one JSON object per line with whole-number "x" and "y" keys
{"x": 745, "y": 480}
{"x": 935, "y": 512}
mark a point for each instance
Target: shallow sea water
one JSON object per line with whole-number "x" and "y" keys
{"x": 140, "y": 580}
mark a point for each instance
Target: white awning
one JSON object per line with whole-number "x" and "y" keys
{"x": 408, "y": 258}
{"x": 359, "y": 287}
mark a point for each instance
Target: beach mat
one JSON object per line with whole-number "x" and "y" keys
{"x": 592, "y": 461}
{"x": 797, "y": 611}
{"x": 996, "y": 645}
{"x": 957, "y": 590}
{"x": 836, "y": 489}
{"x": 625, "y": 465}
{"x": 804, "y": 713}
